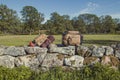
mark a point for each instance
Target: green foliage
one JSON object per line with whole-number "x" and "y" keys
{"x": 31, "y": 18}
{"x": 85, "y": 23}
{"x": 20, "y": 73}
{"x": 96, "y": 72}
{"x": 58, "y": 24}
{"x": 91, "y": 23}
{"x": 107, "y": 24}
{"x": 9, "y": 21}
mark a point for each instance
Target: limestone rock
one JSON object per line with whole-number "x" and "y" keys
{"x": 41, "y": 57}
{"x": 35, "y": 50}
{"x": 52, "y": 60}
{"x": 2, "y": 46}
{"x": 117, "y": 53}
{"x": 7, "y": 61}
{"x": 83, "y": 51}
{"x": 74, "y": 61}
{"x": 91, "y": 60}
{"x": 108, "y": 50}
{"x": 118, "y": 46}
{"x": 113, "y": 46}
{"x": 98, "y": 51}
{"x": 14, "y": 51}
{"x": 70, "y": 50}
{"x": 52, "y": 46}
{"x": 28, "y": 61}
{"x": 1, "y": 51}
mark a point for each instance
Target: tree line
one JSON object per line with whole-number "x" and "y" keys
{"x": 31, "y": 22}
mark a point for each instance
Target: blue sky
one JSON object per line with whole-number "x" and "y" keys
{"x": 70, "y": 7}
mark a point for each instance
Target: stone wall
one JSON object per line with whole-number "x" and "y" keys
{"x": 71, "y": 56}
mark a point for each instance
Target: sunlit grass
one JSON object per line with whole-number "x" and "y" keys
{"x": 16, "y": 40}
{"x": 20, "y": 40}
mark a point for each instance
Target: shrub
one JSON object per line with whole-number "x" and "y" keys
{"x": 96, "y": 72}
{"x": 19, "y": 73}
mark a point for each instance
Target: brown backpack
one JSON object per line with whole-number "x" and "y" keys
{"x": 71, "y": 38}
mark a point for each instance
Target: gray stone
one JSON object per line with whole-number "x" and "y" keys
{"x": 91, "y": 60}
{"x": 35, "y": 50}
{"x": 1, "y": 51}
{"x": 70, "y": 50}
{"x": 28, "y": 61}
{"x": 84, "y": 51}
{"x": 98, "y": 51}
{"x": 14, "y": 51}
{"x": 118, "y": 46}
{"x": 52, "y": 46}
{"x": 108, "y": 50}
{"x": 7, "y": 61}
{"x": 117, "y": 53}
{"x": 113, "y": 46}
{"x": 52, "y": 60}
{"x": 41, "y": 57}
{"x": 2, "y": 46}
{"x": 92, "y": 47}
{"x": 74, "y": 61}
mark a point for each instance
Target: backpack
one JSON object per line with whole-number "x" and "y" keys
{"x": 71, "y": 38}
{"x": 48, "y": 41}
{"x": 40, "y": 39}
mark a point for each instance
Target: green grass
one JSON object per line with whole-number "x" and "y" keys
{"x": 20, "y": 40}
{"x": 16, "y": 40}
{"x": 101, "y": 39}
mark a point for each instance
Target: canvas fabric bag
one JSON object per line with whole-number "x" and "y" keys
{"x": 40, "y": 39}
{"x": 71, "y": 38}
{"x": 73, "y": 32}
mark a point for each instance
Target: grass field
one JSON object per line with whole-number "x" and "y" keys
{"x": 20, "y": 40}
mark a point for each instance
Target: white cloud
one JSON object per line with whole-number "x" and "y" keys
{"x": 88, "y": 9}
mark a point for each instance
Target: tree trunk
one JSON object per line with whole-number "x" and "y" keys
{"x": 30, "y": 32}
